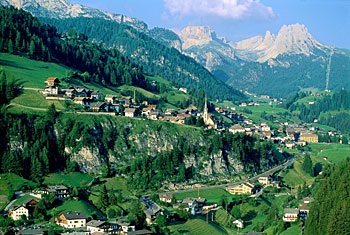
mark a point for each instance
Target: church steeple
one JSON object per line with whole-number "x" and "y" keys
{"x": 205, "y": 111}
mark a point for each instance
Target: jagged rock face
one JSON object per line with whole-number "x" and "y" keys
{"x": 65, "y": 9}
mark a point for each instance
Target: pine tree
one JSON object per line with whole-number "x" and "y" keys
{"x": 10, "y": 46}
{"x": 103, "y": 198}
{"x": 307, "y": 165}
{"x": 32, "y": 48}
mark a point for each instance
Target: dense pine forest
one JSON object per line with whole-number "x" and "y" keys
{"x": 155, "y": 58}
{"x": 332, "y": 110}
{"x": 329, "y": 213}
{"x": 22, "y": 34}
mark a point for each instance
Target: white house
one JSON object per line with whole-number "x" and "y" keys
{"x": 98, "y": 226}
{"x": 236, "y": 129}
{"x": 239, "y": 223}
{"x": 290, "y": 214}
{"x": 71, "y": 220}
{"x": 17, "y": 211}
{"x": 129, "y": 112}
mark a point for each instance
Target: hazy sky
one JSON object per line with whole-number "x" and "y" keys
{"x": 327, "y": 20}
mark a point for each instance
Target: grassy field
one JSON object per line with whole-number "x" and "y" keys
{"x": 30, "y": 73}
{"x": 34, "y": 99}
{"x": 334, "y": 152}
{"x": 20, "y": 200}
{"x": 71, "y": 180}
{"x": 117, "y": 183}
{"x": 197, "y": 227}
{"x": 75, "y": 205}
{"x": 212, "y": 195}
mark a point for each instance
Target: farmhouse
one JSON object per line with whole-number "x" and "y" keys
{"x": 245, "y": 188}
{"x": 309, "y": 138}
{"x": 129, "y": 112}
{"x": 99, "y": 106}
{"x": 71, "y": 220}
{"x": 60, "y": 191}
{"x": 239, "y": 223}
{"x": 98, "y": 226}
{"x": 290, "y": 214}
{"x": 17, "y": 211}
{"x": 165, "y": 197}
{"x": 236, "y": 129}
{"x": 264, "y": 180}
{"x": 52, "y": 81}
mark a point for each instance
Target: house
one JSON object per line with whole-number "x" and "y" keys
{"x": 210, "y": 206}
{"x": 290, "y": 145}
{"x": 71, "y": 220}
{"x": 31, "y": 232}
{"x": 165, "y": 197}
{"x": 96, "y": 95}
{"x": 152, "y": 209}
{"x": 112, "y": 99}
{"x": 264, "y": 180}
{"x": 184, "y": 90}
{"x": 51, "y": 90}
{"x": 71, "y": 93}
{"x": 309, "y": 138}
{"x": 304, "y": 209}
{"x": 265, "y": 128}
{"x": 236, "y": 129}
{"x": 245, "y": 188}
{"x": 129, "y": 112}
{"x": 30, "y": 203}
{"x": 239, "y": 223}
{"x": 290, "y": 214}
{"x": 17, "y": 211}
{"x": 82, "y": 101}
{"x": 308, "y": 200}
{"x": 98, "y": 226}
{"x": 125, "y": 227}
{"x": 60, "y": 191}
{"x": 153, "y": 115}
{"x": 52, "y": 81}
{"x": 99, "y": 107}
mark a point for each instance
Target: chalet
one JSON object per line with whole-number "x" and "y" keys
{"x": 125, "y": 227}
{"x": 304, "y": 209}
{"x": 71, "y": 93}
{"x": 239, "y": 223}
{"x": 112, "y": 99}
{"x": 309, "y": 138}
{"x": 31, "y": 232}
{"x": 264, "y": 180}
{"x": 153, "y": 115}
{"x": 243, "y": 105}
{"x": 114, "y": 107}
{"x": 82, "y": 101}
{"x": 51, "y": 90}
{"x": 17, "y": 211}
{"x": 30, "y": 203}
{"x": 129, "y": 112}
{"x": 290, "y": 145}
{"x": 71, "y": 220}
{"x": 308, "y": 200}
{"x": 98, "y": 226}
{"x": 96, "y": 95}
{"x": 236, "y": 129}
{"x": 52, "y": 81}
{"x": 245, "y": 188}
{"x": 146, "y": 111}
{"x": 140, "y": 232}
{"x": 210, "y": 206}
{"x": 290, "y": 214}
{"x": 125, "y": 100}
{"x": 170, "y": 112}
{"x": 60, "y": 191}
{"x": 165, "y": 197}
{"x": 152, "y": 209}
{"x": 99, "y": 107}
{"x": 265, "y": 128}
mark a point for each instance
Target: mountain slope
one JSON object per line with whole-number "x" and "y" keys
{"x": 65, "y": 9}
{"x": 156, "y": 58}
{"x": 274, "y": 65}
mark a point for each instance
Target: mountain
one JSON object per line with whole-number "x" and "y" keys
{"x": 64, "y": 9}
{"x": 274, "y": 65}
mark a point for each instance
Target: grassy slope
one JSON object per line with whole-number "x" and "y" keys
{"x": 334, "y": 152}
{"x": 197, "y": 227}
{"x": 75, "y": 205}
{"x": 71, "y": 180}
{"x": 30, "y": 73}
{"x": 33, "y": 98}
{"x": 212, "y": 195}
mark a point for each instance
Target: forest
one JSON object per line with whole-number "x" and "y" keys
{"x": 155, "y": 58}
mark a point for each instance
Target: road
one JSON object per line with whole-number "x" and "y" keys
{"x": 254, "y": 178}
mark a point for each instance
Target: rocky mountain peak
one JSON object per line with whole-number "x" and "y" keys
{"x": 196, "y": 35}
{"x": 65, "y": 9}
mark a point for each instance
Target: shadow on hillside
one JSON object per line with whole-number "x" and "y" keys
{"x": 12, "y": 64}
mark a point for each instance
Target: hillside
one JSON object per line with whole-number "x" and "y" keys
{"x": 156, "y": 58}
{"x": 276, "y": 65}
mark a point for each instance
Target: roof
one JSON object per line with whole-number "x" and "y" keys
{"x": 166, "y": 195}
{"x": 129, "y": 110}
{"x": 122, "y": 222}
{"x": 238, "y": 221}
{"x": 291, "y": 210}
{"x": 15, "y": 207}
{"x": 236, "y": 127}
{"x": 31, "y": 231}
{"x": 95, "y": 223}
{"x": 52, "y": 79}
{"x": 304, "y": 207}
{"x": 97, "y": 104}
{"x": 25, "y": 202}
{"x": 140, "y": 232}
{"x": 74, "y": 215}
{"x": 109, "y": 96}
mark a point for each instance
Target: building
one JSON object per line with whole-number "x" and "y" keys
{"x": 71, "y": 220}
{"x": 112, "y": 99}
{"x": 290, "y": 214}
{"x": 124, "y": 227}
{"x": 50, "y": 90}
{"x": 309, "y": 138}
{"x": 152, "y": 209}
{"x": 304, "y": 209}
{"x": 98, "y": 226}
{"x": 206, "y": 116}
{"x": 308, "y": 200}
{"x": 236, "y": 129}
{"x": 264, "y": 180}
{"x": 184, "y": 90}
{"x": 96, "y": 95}
{"x": 140, "y": 232}
{"x": 129, "y": 112}
{"x": 265, "y": 128}
{"x": 82, "y": 101}
{"x": 290, "y": 145}
{"x": 239, "y": 223}
{"x": 52, "y": 81}
{"x": 99, "y": 107}
{"x": 245, "y": 188}
{"x": 165, "y": 197}
{"x": 60, "y": 191}
{"x": 17, "y": 211}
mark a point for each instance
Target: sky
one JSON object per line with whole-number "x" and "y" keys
{"x": 328, "y": 21}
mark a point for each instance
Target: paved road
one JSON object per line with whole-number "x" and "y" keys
{"x": 254, "y": 178}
